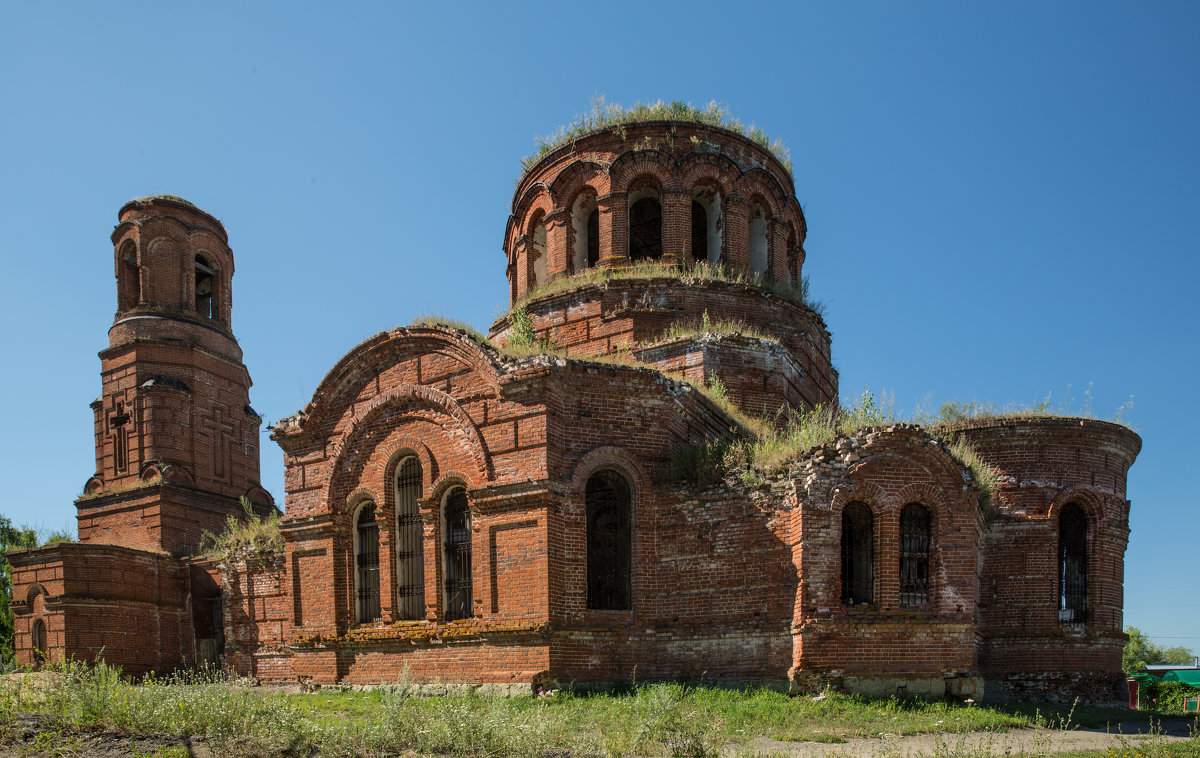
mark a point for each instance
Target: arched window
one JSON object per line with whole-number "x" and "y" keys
{"x": 129, "y": 282}
{"x": 585, "y": 222}
{"x": 858, "y": 554}
{"x": 609, "y": 541}
{"x": 410, "y": 551}
{"x": 645, "y": 229}
{"x": 41, "y": 645}
{"x": 593, "y": 238}
{"x": 914, "y": 555}
{"x": 706, "y": 224}
{"x": 537, "y": 253}
{"x": 1072, "y": 565}
{"x": 758, "y": 240}
{"x": 456, "y": 518}
{"x": 699, "y": 232}
{"x": 366, "y": 564}
{"x": 206, "y": 287}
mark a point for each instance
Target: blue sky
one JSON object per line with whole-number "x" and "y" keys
{"x": 1001, "y": 198}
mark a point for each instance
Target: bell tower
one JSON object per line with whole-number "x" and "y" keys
{"x": 176, "y": 439}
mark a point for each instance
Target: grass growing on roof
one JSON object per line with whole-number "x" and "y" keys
{"x": 687, "y": 273}
{"x": 248, "y": 537}
{"x": 603, "y": 114}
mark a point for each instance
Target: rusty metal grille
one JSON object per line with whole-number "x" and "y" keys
{"x": 593, "y": 238}
{"x": 458, "y": 556}
{"x": 914, "y": 555}
{"x": 410, "y": 552}
{"x": 645, "y": 229}
{"x": 858, "y": 559}
{"x": 699, "y": 232}
{"x": 366, "y": 562}
{"x": 1072, "y": 565}
{"x": 609, "y": 542}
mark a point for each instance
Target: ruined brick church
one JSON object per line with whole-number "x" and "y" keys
{"x": 458, "y": 514}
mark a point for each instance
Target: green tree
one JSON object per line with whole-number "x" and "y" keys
{"x": 1140, "y": 651}
{"x": 11, "y": 538}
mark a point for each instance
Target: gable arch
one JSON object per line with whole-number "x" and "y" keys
{"x": 346, "y": 451}
{"x": 338, "y": 388}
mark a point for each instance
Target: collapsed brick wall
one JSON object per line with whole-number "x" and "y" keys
{"x": 257, "y": 608}
{"x": 623, "y": 314}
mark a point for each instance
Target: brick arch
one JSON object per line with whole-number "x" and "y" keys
{"x": 447, "y": 481}
{"x": 345, "y": 451}
{"x": 636, "y": 165}
{"x": 695, "y": 168}
{"x": 761, "y": 186}
{"x": 793, "y": 215}
{"x": 610, "y": 457}
{"x": 1090, "y": 501}
{"x": 927, "y": 494}
{"x": 383, "y": 349}
{"x": 357, "y": 499}
{"x": 405, "y": 446}
{"x": 31, "y": 595}
{"x": 573, "y": 179}
{"x": 868, "y": 492}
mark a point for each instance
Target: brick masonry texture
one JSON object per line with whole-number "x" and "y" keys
{"x": 738, "y": 582}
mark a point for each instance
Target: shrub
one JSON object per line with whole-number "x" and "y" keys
{"x": 248, "y": 537}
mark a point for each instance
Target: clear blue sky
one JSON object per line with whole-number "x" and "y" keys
{"x": 1002, "y": 199}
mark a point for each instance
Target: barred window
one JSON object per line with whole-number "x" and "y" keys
{"x": 609, "y": 541}
{"x": 1072, "y": 565}
{"x": 410, "y": 552}
{"x": 366, "y": 562}
{"x": 914, "y": 555}
{"x": 457, "y": 561}
{"x": 858, "y": 554}
{"x": 645, "y": 229}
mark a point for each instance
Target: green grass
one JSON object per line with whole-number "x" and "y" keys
{"x": 650, "y": 720}
{"x": 606, "y": 115}
{"x": 687, "y": 273}
{"x": 769, "y": 445}
{"x": 249, "y": 537}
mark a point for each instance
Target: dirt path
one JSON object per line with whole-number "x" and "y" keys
{"x": 1030, "y": 740}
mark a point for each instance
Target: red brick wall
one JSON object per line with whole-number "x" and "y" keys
{"x": 674, "y": 159}
{"x": 636, "y": 313}
{"x": 1046, "y": 464}
{"x": 128, "y": 606}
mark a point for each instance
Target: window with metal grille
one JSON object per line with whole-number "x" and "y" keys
{"x": 410, "y": 552}
{"x": 645, "y": 229}
{"x": 366, "y": 563}
{"x": 457, "y": 520}
{"x": 914, "y": 555}
{"x": 609, "y": 548}
{"x": 1072, "y": 565}
{"x": 858, "y": 554}
{"x": 699, "y": 232}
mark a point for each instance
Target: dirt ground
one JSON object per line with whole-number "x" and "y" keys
{"x": 1030, "y": 741}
